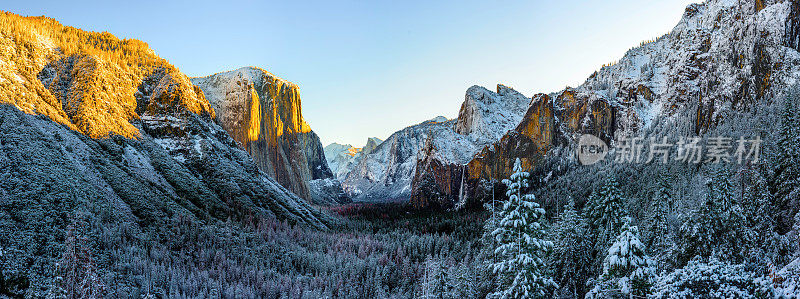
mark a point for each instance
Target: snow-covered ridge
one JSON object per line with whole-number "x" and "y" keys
{"x": 488, "y": 114}
{"x": 721, "y": 54}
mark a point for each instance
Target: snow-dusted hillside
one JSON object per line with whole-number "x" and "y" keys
{"x": 97, "y": 136}
{"x": 387, "y": 172}
{"x": 723, "y": 54}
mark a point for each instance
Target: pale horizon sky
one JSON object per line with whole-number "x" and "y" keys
{"x": 368, "y": 69}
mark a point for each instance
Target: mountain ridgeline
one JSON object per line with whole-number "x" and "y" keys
{"x": 101, "y": 133}
{"x": 722, "y": 58}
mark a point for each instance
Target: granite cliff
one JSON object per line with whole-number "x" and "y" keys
{"x": 263, "y": 113}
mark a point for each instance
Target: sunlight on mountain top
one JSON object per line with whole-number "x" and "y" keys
{"x": 91, "y": 82}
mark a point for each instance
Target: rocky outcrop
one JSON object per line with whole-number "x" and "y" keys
{"x": 437, "y": 184}
{"x": 531, "y": 139}
{"x": 263, "y": 113}
{"x": 372, "y": 144}
{"x": 447, "y": 185}
{"x": 487, "y": 114}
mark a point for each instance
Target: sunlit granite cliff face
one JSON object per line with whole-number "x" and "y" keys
{"x": 263, "y": 113}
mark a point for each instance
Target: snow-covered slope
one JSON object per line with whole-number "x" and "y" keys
{"x": 388, "y": 171}
{"x": 339, "y": 156}
{"x": 723, "y": 54}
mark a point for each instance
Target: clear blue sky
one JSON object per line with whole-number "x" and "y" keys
{"x": 369, "y": 68}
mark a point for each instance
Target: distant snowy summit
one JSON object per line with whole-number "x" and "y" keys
{"x": 342, "y": 157}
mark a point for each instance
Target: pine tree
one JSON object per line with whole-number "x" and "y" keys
{"x": 761, "y": 212}
{"x": 463, "y": 281}
{"x": 627, "y": 269}
{"x": 521, "y": 249}
{"x": 435, "y": 282}
{"x": 719, "y": 227}
{"x": 787, "y": 174}
{"x": 711, "y": 278}
{"x": 658, "y": 237}
{"x": 787, "y": 171}
{"x": 605, "y": 213}
{"x": 79, "y": 277}
{"x": 572, "y": 253}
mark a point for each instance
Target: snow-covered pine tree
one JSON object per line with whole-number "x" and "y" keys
{"x": 605, "y": 213}
{"x": 719, "y": 227}
{"x": 712, "y": 279}
{"x": 521, "y": 248}
{"x": 437, "y": 282}
{"x": 463, "y": 281}
{"x": 488, "y": 241}
{"x": 761, "y": 211}
{"x": 442, "y": 281}
{"x": 787, "y": 174}
{"x": 658, "y": 237}
{"x": 627, "y": 269}
{"x": 571, "y": 260}
{"x": 428, "y": 285}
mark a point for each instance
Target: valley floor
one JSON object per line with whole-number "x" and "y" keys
{"x": 376, "y": 251}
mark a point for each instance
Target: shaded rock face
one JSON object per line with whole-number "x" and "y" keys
{"x": 437, "y": 184}
{"x": 793, "y": 26}
{"x": 263, "y": 113}
{"x": 722, "y": 56}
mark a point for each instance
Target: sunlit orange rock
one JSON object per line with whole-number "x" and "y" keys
{"x": 263, "y": 113}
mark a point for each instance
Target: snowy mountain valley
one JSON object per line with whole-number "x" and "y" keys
{"x": 121, "y": 176}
